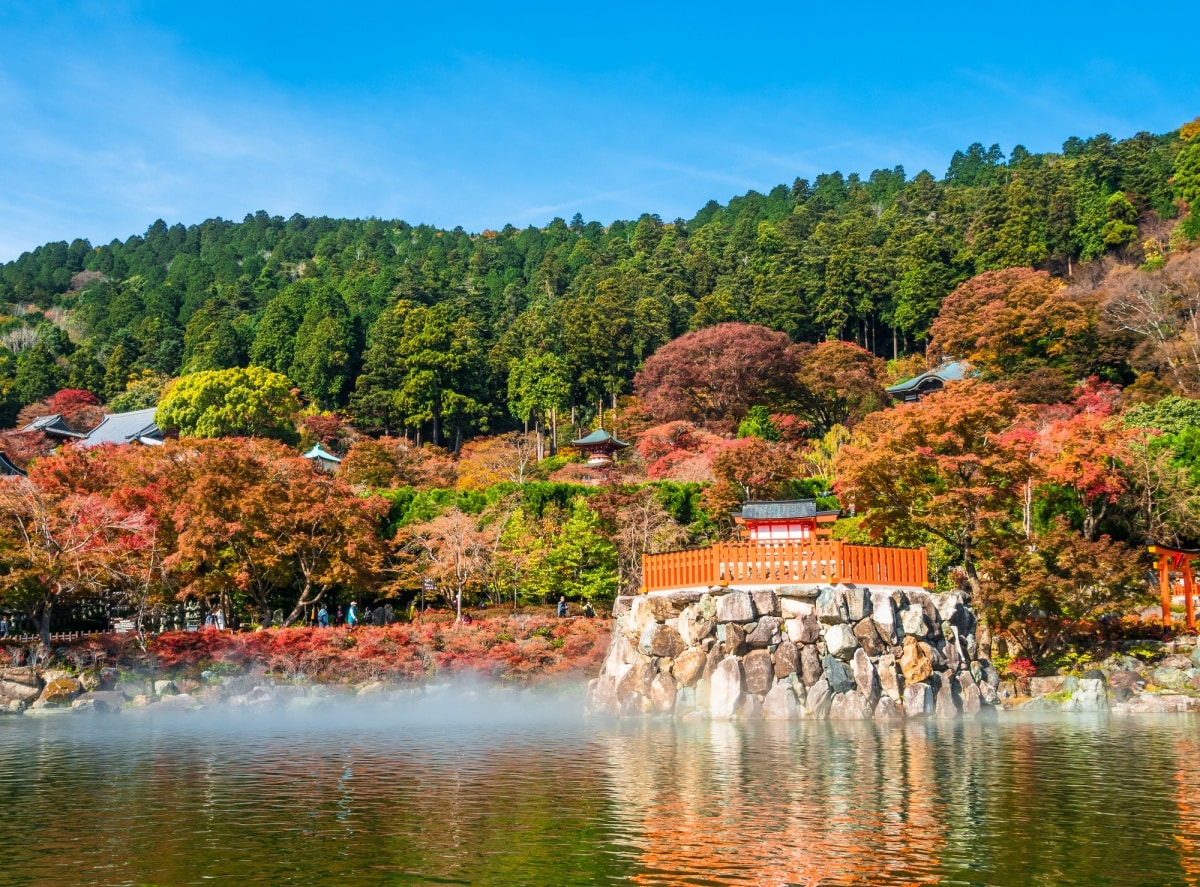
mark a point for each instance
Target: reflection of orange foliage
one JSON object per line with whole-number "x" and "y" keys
{"x": 838, "y": 824}
{"x": 1187, "y": 791}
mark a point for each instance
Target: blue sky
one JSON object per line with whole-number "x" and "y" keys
{"x": 115, "y": 114}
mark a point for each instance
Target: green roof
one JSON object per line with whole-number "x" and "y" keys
{"x": 319, "y": 452}
{"x": 599, "y": 436}
{"x": 955, "y": 371}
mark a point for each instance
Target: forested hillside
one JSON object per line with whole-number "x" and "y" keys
{"x": 410, "y": 328}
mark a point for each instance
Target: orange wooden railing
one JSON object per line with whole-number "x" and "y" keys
{"x": 785, "y": 563}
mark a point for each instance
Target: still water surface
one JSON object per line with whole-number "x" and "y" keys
{"x": 528, "y": 793}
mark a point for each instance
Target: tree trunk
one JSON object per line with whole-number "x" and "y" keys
{"x": 43, "y": 623}
{"x": 304, "y": 603}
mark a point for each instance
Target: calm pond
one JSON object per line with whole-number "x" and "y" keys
{"x": 528, "y": 793}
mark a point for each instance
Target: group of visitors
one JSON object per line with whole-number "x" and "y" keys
{"x": 564, "y": 611}
{"x": 215, "y": 620}
{"x": 322, "y": 619}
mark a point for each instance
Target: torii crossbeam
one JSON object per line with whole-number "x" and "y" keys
{"x": 1176, "y": 560}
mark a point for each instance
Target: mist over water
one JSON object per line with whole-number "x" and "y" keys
{"x": 469, "y": 786}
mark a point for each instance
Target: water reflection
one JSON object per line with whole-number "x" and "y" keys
{"x": 379, "y": 797}
{"x": 1054, "y": 802}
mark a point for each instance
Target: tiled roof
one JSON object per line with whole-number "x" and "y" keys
{"x": 319, "y": 452}
{"x": 954, "y": 371}
{"x": 779, "y": 510}
{"x": 122, "y": 428}
{"x": 7, "y": 469}
{"x": 599, "y": 436}
{"x": 52, "y": 426}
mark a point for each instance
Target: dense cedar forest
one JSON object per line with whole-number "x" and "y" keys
{"x": 744, "y": 352}
{"x": 415, "y": 328}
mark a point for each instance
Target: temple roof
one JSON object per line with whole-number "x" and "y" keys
{"x": 319, "y": 452}
{"x": 599, "y": 437}
{"x": 789, "y": 509}
{"x": 52, "y": 426}
{"x": 7, "y": 469}
{"x": 955, "y": 371}
{"x": 122, "y": 428}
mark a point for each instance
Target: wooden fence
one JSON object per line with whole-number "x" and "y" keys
{"x": 785, "y": 563}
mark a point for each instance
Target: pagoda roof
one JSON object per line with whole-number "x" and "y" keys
{"x": 7, "y": 468}
{"x": 123, "y": 428}
{"x": 319, "y": 452}
{"x": 599, "y": 437}
{"x": 789, "y": 509}
{"x": 955, "y": 371}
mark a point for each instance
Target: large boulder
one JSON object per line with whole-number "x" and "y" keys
{"x": 946, "y": 702}
{"x": 1048, "y": 685}
{"x": 868, "y": 638}
{"x": 20, "y": 684}
{"x": 840, "y": 641}
{"x": 106, "y": 701}
{"x": 694, "y": 625}
{"x": 817, "y": 701}
{"x": 58, "y": 693}
{"x": 633, "y": 690}
{"x": 644, "y": 611}
{"x": 1170, "y": 677}
{"x": 912, "y": 621}
{"x": 726, "y": 689}
{"x": 758, "y": 671}
{"x": 890, "y": 681}
{"x": 883, "y": 614}
{"x": 786, "y": 659}
{"x": 737, "y": 606}
{"x": 621, "y": 656}
{"x": 766, "y": 602}
{"x": 689, "y": 665}
{"x": 803, "y": 629}
{"x": 865, "y": 678}
{"x": 766, "y": 633}
{"x": 811, "y": 670}
{"x": 831, "y": 606}
{"x": 1090, "y": 696}
{"x": 916, "y": 661}
{"x": 887, "y": 709}
{"x": 661, "y": 640}
{"x": 852, "y": 706}
{"x": 733, "y": 638}
{"x": 969, "y": 694}
{"x": 780, "y": 703}
{"x": 794, "y": 608}
{"x": 858, "y": 602}
{"x": 662, "y": 693}
{"x": 918, "y": 700}
{"x": 839, "y": 678}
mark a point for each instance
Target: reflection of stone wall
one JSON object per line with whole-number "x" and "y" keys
{"x": 838, "y": 652}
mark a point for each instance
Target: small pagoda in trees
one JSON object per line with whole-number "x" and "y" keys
{"x": 600, "y": 448}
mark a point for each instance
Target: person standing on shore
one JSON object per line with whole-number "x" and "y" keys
{"x": 352, "y": 615}
{"x": 562, "y": 607}
{"x": 322, "y": 617}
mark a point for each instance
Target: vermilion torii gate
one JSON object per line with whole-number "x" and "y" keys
{"x": 1176, "y": 560}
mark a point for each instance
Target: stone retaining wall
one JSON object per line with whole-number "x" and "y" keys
{"x": 838, "y": 652}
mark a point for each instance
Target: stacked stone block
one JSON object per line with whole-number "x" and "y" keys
{"x": 834, "y": 652}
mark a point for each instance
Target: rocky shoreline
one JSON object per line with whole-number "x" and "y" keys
{"x": 838, "y": 653}
{"x": 849, "y": 653}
